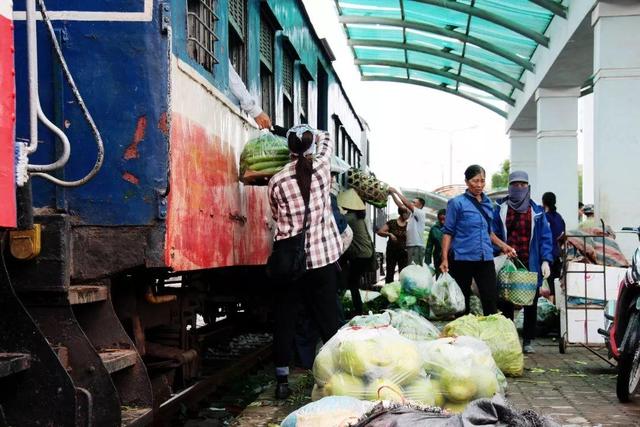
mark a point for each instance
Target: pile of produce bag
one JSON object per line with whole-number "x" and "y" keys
{"x": 460, "y": 370}
{"x": 371, "y": 364}
{"x": 408, "y": 323}
{"x": 332, "y": 411}
{"x": 498, "y": 332}
{"x": 547, "y": 318}
{"x": 446, "y": 298}
{"x": 263, "y": 157}
{"x": 416, "y": 280}
{"x": 368, "y": 187}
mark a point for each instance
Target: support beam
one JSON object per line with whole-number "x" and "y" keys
{"x": 616, "y": 92}
{"x": 524, "y": 154}
{"x": 491, "y": 17}
{"x": 436, "y": 87}
{"x": 552, "y": 6}
{"x": 433, "y": 29}
{"x": 441, "y": 73}
{"x": 440, "y": 54}
{"x": 557, "y": 150}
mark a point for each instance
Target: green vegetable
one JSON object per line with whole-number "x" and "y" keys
{"x": 279, "y": 158}
{"x": 260, "y": 166}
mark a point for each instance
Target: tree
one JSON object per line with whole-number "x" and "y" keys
{"x": 501, "y": 179}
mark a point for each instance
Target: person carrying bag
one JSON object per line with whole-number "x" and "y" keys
{"x": 307, "y": 245}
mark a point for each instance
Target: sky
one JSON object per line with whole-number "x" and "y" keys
{"x": 412, "y": 126}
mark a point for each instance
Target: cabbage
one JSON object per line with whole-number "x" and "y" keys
{"x": 455, "y": 407}
{"x": 498, "y": 332}
{"x": 391, "y": 291}
{"x": 323, "y": 367}
{"x": 412, "y": 326}
{"x": 446, "y": 297}
{"x": 422, "y": 390}
{"x": 343, "y": 384}
{"x": 405, "y": 301}
{"x": 416, "y": 280}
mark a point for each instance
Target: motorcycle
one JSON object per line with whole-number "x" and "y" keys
{"x": 622, "y": 336}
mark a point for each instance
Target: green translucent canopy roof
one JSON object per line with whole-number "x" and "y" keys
{"x": 476, "y": 49}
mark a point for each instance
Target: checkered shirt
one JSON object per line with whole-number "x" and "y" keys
{"x": 519, "y": 233}
{"x": 323, "y": 242}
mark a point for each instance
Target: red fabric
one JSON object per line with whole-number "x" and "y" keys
{"x": 324, "y": 245}
{"x": 519, "y": 233}
{"x": 7, "y": 121}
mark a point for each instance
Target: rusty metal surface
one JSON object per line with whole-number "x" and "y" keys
{"x": 112, "y": 250}
{"x": 200, "y": 389}
{"x": 50, "y": 270}
{"x": 105, "y": 331}
{"x": 86, "y": 294}
{"x": 45, "y": 377}
{"x": 12, "y": 363}
{"x": 60, "y": 326}
{"x": 117, "y": 359}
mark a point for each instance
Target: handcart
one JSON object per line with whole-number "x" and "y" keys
{"x": 584, "y": 292}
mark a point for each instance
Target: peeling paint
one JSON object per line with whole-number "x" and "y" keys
{"x": 132, "y": 150}
{"x": 163, "y": 125}
{"x": 129, "y": 177}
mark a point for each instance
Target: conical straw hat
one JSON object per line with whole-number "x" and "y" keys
{"x": 349, "y": 199}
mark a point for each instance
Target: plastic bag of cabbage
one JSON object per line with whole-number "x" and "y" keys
{"x": 408, "y": 323}
{"x": 416, "y": 280}
{"x": 460, "y": 370}
{"x": 332, "y": 411}
{"x": 498, "y": 332}
{"x": 371, "y": 364}
{"x": 391, "y": 291}
{"x": 446, "y": 297}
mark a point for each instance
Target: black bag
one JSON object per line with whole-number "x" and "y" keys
{"x": 288, "y": 259}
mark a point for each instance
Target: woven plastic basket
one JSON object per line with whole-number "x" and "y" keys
{"x": 517, "y": 285}
{"x": 368, "y": 187}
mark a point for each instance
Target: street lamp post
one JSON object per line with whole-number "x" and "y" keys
{"x": 450, "y": 133}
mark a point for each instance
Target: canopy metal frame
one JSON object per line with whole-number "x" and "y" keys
{"x": 458, "y": 33}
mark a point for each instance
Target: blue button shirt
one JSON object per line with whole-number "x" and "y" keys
{"x": 468, "y": 229}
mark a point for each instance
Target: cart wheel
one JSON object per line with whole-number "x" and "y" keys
{"x": 562, "y": 345}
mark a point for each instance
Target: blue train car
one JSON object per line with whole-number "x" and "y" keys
{"x": 117, "y": 270}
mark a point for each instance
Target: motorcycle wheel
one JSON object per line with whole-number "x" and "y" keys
{"x": 629, "y": 362}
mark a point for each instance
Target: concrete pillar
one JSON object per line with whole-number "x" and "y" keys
{"x": 524, "y": 155}
{"x": 586, "y": 125}
{"x": 557, "y": 149}
{"x": 616, "y": 98}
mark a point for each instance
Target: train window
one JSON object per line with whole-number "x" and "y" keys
{"x": 201, "y": 37}
{"x": 304, "y": 100}
{"x": 237, "y": 36}
{"x": 287, "y": 88}
{"x": 267, "y": 36}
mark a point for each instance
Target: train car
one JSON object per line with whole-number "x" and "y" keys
{"x": 131, "y": 221}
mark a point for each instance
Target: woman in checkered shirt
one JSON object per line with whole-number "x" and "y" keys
{"x": 305, "y": 181}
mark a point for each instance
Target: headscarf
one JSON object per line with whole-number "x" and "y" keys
{"x": 519, "y": 198}
{"x": 299, "y": 130}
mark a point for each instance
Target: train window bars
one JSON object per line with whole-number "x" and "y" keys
{"x": 201, "y": 36}
{"x": 267, "y": 82}
{"x": 238, "y": 36}
{"x": 287, "y": 87}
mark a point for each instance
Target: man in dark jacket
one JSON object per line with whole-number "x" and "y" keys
{"x": 434, "y": 242}
{"x": 522, "y": 224}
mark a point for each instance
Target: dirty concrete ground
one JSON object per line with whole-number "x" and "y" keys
{"x": 575, "y": 389}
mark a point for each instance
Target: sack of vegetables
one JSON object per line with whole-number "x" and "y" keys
{"x": 498, "y": 332}
{"x": 461, "y": 370}
{"x": 262, "y": 158}
{"x": 371, "y": 364}
{"x": 446, "y": 297}
{"x": 368, "y": 187}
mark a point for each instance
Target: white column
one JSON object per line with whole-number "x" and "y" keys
{"x": 616, "y": 97}
{"x": 524, "y": 155}
{"x": 586, "y": 138}
{"x": 557, "y": 149}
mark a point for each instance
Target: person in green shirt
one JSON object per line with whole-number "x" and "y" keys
{"x": 434, "y": 242}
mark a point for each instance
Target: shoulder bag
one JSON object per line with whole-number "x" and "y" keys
{"x": 288, "y": 259}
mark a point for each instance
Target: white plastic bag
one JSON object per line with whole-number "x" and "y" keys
{"x": 332, "y": 411}
{"x": 446, "y": 297}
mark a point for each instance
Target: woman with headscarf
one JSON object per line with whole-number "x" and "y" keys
{"x": 303, "y": 186}
{"x": 522, "y": 223}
